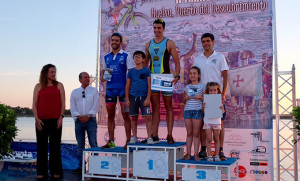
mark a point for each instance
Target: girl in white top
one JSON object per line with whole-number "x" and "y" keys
{"x": 212, "y": 125}
{"x": 193, "y": 115}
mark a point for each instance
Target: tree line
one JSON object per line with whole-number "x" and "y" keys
{"x": 25, "y": 111}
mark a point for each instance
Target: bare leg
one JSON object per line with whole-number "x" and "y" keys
{"x": 111, "y": 110}
{"x": 222, "y": 134}
{"x": 209, "y": 140}
{"x": 148, "y": 125}
{"x": 202, "y": 133}
{"x": 216, "y": 133}
{"x": 134, "y": 125}
{"x": 127, "y": 122}
{"x": 196, "y": 130}
{"x": 155, "y": 113}
{"x": 170, "y": 114}
{"x": 189, "y": 136}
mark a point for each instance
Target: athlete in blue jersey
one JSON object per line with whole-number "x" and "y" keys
{"x": 119, "y": 62}
{"x": 158, "y": 52}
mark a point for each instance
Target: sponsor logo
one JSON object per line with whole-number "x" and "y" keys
{"x": 259, "y": 150}
{"x": 214, "y": 61}
{"x": 258, "y": 160}
{"x": 234, "y": 153}
{"x": 242, "y": 171}
{"x": 259, "y": 136}
{"x": 258, "y": 172}
{"x": 156, "y": 49}
{"x": 235, "y": 140}
{"x": 121, "y": 59}
{"x": 259, "y": 163}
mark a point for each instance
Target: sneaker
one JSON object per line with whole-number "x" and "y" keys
{"x": 170, "y": 139}
{"x": 133, "y": 140}
{"x": 217, "y": 159}
{"x": 109, "y": 145}
{"x": 210, "y": 159}
{"x": 155, "y": 139}
{"x": 145, "y": 141}
{"x": 150, "y": 141}
{"x": 202, "y": 154}
{"x": 77, "y": 171}
{"x": 222, "y": 156}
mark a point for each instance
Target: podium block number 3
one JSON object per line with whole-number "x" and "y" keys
{"x": 201, "y": 174}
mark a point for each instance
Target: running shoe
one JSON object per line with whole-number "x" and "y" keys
{"x": 155, "y": 139}
{"x": 150, "y": 141}
{"x": 109, "y": 145}
{"x": 210, "y": 159}
{"x": 217, "y": 159}
{"x": 202, "y": 154}
{"x": 133, "y": 140}
{"x": 222, "y": 156}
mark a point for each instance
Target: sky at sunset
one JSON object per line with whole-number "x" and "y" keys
{"x": 64, "y": 32}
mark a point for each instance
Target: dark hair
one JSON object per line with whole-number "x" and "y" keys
{"x": 80, "y": 75}
{"x": 139, "y": 53}
{"x": 210, "y": 84}
{"x": 211, "y": 36}
{"x": 198, "y": 70}
{"x": 43, "y": 76}
{"x": 160, "y": 21}
{"x": 118, "y": 35}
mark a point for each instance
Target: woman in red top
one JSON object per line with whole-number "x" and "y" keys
{"x": 48, "y": 109}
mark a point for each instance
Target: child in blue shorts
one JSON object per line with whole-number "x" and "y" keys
{"x": 193, "y": 115}
{"x": 138, "y": 92}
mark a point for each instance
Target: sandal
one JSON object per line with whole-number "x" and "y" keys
{"x": 187, "y": 157}
{"x": 170, "y": 139}
{"x": 197, "y": 158}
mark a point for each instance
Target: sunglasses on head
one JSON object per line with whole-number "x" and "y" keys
{"x": 160, "y": 20}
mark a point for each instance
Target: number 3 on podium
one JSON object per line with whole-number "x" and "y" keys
{"x": 201, "y": 174}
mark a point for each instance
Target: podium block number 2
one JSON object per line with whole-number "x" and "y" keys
{"x": 201, "y": 174}
{"x": 104, "y": 165}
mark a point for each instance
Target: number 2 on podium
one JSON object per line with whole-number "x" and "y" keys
{"x": 150, "y": 164}
{"x": 104, "y": 165}
{"x": 201, "y": 174}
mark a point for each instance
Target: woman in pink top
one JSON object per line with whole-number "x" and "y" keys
{"x": 48, "y": 108}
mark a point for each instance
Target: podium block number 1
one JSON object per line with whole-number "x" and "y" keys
{"x": 151, "y": 164}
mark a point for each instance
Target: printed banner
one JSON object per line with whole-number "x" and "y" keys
{"x": 243, "y": 34}
{"x": 27, "y": 150}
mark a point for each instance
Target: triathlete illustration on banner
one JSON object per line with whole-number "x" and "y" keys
{"x": 132, "y": 20}
{"x": 158, "y": 52}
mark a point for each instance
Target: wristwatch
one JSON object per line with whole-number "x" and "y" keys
{"x": 177, "y": 76}
{"x": 62, "y": 116}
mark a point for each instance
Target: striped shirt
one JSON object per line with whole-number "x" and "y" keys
{"x": 192, "y": 90}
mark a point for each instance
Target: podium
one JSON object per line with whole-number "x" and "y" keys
{"x": 156, "y": 161}
{"x": 152, "y": 162}
{"x": 211, "y": 169}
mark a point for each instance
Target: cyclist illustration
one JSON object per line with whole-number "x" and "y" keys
{"x": 132, "y": 20}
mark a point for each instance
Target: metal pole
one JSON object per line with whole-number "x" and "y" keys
{"x": 295, "y": 132}
{"x": 98, "y": 46}
{"x": 276, "y": 87}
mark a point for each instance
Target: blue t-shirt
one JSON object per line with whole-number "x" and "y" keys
{"x": 139, "y": 83}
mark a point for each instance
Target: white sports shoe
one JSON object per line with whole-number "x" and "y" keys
{"x": 133, "y": 140}
{"x": 217, "y": 158}
{"x": 150, "y": 141}
{"x": 210, "y": 158}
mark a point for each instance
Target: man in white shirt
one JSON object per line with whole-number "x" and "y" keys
{"x": 214, "y": 68}
{"x": 85, "y": 104}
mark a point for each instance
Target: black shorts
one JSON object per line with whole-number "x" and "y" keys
{"x": 136, "y": 103}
